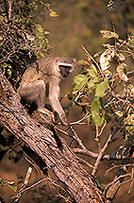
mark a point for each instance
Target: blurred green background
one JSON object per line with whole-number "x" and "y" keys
{"x": 80, "y": 21}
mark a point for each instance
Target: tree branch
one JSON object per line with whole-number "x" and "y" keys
{"x": 63, "y": 163}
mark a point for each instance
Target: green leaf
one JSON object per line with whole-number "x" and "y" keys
{"x": 92, "y": 82}
{"x": 41, "y": 36}
{"x": 80, "y": 81}
{"x": 101, "y": 88}
{"x": 101, "y": 103}
{"x": 82, "y": 62}
{"x": 94, "y": 68}
{"x": 95, "y": 112}
{"x": 93, "y": 71}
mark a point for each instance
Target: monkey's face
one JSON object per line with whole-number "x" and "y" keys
{"x": 65, "y": 70}
{"x": 66, "y": 66}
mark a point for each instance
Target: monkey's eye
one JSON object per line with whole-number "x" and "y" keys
{"x": 64, "y": 70}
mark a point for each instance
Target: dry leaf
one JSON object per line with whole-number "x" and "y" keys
{"x": 108, "y": 34}
{"x": 120, "y": 70}
{"x": 120, "y": 56}
{"x": 106, "y": 58}
{"x": 108, "y": 46}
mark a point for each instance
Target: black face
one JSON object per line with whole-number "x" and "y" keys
{"x": 65, "y": 70}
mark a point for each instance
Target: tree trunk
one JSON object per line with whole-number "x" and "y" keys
{"x": 62, "y": 162}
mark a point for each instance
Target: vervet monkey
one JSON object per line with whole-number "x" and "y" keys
{"x": 38, "y": 83}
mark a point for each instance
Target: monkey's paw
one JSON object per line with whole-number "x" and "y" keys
{"x": 49, "y": 115}
{"x": 64, "y": 120}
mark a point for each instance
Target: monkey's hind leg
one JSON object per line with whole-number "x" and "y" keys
{"x": 35, "y": 92}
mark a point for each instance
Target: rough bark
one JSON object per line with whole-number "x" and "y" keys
{"x": 63, "y": 163}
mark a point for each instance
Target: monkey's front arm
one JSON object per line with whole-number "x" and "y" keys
{"x": 54, "y": 92}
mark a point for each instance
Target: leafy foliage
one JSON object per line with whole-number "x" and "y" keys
{"x": 21, "y": 39}
{"x": 95, "y": 111}
{"x": 100, "y": 81}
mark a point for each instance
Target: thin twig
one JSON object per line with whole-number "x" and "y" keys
{"x": 10, "y": 10}
{"x": 78, "y": 139}
{"x": 26, "y": 181}
{"x": 89, "y": 55}
{"x": 101, "y": 153}
{"x": 116, "y": 166}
